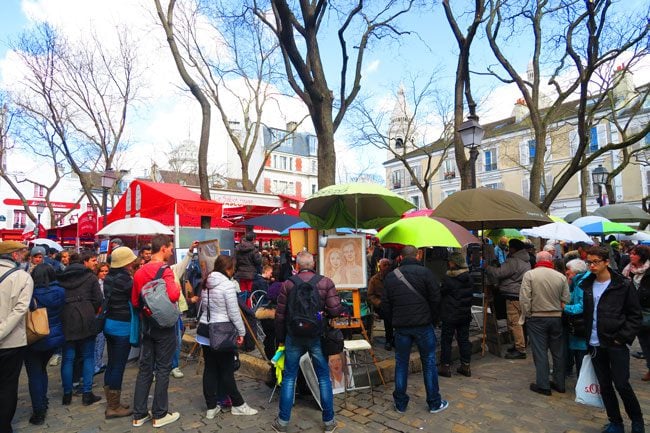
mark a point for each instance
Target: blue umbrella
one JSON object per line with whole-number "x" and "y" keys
{"x": 275, "y": 222}
{"x": 304, "y": 225}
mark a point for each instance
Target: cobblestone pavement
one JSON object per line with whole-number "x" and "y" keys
{"x": 495, "y": 399}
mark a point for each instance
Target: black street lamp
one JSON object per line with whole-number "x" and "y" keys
{"x": 108, "y": 180}
{"x": 471, "y": 134}
{"x": 40, "y": 207}
{"x": 599, "y": 177}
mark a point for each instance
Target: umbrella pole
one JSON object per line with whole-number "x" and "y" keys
{"x": 485, "y": 295}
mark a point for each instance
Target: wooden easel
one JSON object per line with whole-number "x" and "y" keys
{"x": 355, "y": 322}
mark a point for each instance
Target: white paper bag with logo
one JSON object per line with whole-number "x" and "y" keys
{"x": 587, "y": 388}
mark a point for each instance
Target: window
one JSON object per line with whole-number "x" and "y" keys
{"x": 415, "y": 199}
{"x": 313, "y": 145}
{"x": 417, "y": 170}
{"x": 496, "y": 185}
{"x": 597, "y": 138}
{"x": 59, "y": 217}
{"x": 282, "y": 162}
{"x": 291, "y": 164}
{"x": 449, "y": 169}
{"x": 490, "y": 160}
{"x": 527, "y": 151}
{"x": 314, "y": 166}
{"x": 447, "y": 192}
{"x": 525, "y": 187}
{"x": 20, "y": 219}
{"x": 398, "y": 176}
{"x": 313, "y": 189}
{"x": 39, "y": 191}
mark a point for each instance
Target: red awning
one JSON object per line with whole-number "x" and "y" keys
{"x": 160, "y": 201}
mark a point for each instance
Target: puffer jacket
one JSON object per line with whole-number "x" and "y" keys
{"x": 619, "y": 312}
{"x": 117, "y": 286}
{"x": 511, "y": 273}
{"x": 326, "y": 290}
{"x": 457, "y": 296}
{"x": 83, "y": 298}
{"x": 248, "y": 261}
{"x": 15, "y": 294}
{"x": 220, "y": 297}
{"x": 405, "y": 307}
{"x": 53, "y": 299}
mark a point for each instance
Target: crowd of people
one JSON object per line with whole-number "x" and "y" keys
{"x": 566, "y": 303}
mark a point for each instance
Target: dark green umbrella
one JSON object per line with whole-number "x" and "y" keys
{"x": 623, "y": 213}
{"x": 571, "y": 217}
{"x": 356, "y": 205}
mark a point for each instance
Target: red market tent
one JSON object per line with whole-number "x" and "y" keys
{"x": 163, "y": 201}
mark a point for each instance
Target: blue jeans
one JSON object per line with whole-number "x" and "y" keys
{"x": 294, "y": 349}
{"x": 118, "y": 349}
{"x": 425, "y": 339}
{"x": 85, "y": 350}
{"x": 100, "y": 342}
{"x": 179, "y": 336}
{"x": 36, "y": 366}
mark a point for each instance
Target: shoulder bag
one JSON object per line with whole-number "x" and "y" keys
{"x": 38, "y": 325}
{"x": 222, "y": 335}
{"x": 400, "y": 276}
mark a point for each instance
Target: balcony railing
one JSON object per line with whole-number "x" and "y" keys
{"x": 449, "y": 175}
{"x": 397, "y": 185}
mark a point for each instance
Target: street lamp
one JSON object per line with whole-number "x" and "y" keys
{"x": 108, "y": 180}
{"x": 599, "y": 177}
{"x": 471, "y": 134}
{"x": 40, "y": 207}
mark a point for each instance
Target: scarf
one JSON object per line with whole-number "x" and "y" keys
{"x": 636, "y": 273}
{"x": 544, "y": 264}
{"x": 456, "y": 272}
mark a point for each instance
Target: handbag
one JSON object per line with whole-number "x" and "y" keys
{"x": 134, "y": 334}
{"x": 38, "y": 325}
{"x": 332, "y": 341}
{"x": 222, "y": 335}
{"x": 587, "y": 388}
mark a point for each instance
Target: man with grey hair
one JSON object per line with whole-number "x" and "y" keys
{"x": 297, "y": 344}
{"x": 544, "y": 292}
{"x": 412, "y": 299}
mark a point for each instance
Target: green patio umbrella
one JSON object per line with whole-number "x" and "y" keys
{"x": 420, "y": 232}
{"x": 356, "y": 205}
{"x": 496, "y": 234}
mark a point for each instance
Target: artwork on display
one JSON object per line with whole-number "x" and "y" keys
{"x": 337, "y": 364}
{"x": 208, "y": 253}
{"x": 344, "y": 260}
{"x": 308, "y": 371}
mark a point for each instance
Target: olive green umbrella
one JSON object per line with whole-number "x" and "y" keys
{"x": 356, "y": 205}
{"x": 487, "y": 208}
{"x": 623, "y": 213}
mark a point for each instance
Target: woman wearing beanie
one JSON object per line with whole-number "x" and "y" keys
{"x": 49, "y": 295}
{"x": 456, "y": 305}
{"x": 117, "y": 290}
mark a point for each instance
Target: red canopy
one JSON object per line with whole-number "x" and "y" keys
{"x": 160, "y": 201}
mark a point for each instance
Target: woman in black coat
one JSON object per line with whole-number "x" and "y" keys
{"x": 456, "y": 315}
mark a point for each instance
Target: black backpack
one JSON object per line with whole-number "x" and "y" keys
{"x": 304, "y": 308}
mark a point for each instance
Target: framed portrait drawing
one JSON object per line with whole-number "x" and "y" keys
{"x": 344, "y": 260}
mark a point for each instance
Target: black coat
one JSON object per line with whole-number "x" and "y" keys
{"x": 117, "y": 287}
{"x": 405, "y": 307}
{"x": 248, "y": 261}
{"x": 619, "y": 311}
{"x": 83, "y": 298}
{"x": 457, "y": 296}
{"x": 644, "y": 290}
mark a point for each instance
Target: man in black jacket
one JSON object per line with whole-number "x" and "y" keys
{"x": 412, "y": 298}
{"x": 612, "y": 316}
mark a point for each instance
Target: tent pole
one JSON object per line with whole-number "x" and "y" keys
{"x": 177, "y": 238}
{"x": 485, "y": 294}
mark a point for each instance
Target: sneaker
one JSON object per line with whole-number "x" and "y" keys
{"x": 329, "y": 427}
{"x": 398, "y": 410}
{"x": 55, "y": 360}
{"x": 177, "y": 373}
{"x": 444, "y": 404}
{"x": 244, "y": 409}
{"x": 211, "y": 413}
{"x": 515, "y": 355}
{"x": 140, "y": 422}
{"x": 614, "y": 427}
{"x": 278, "y": 426}
{"x": 167, "y": 419}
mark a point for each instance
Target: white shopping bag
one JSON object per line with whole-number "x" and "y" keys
{"x": 587, "y": 388}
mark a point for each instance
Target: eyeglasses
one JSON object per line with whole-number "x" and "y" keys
{"x": 593, "y": 262}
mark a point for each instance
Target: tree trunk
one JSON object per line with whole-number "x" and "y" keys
{"x": 611, "y": 194}
{"x": 321, "y": 114}
{"x": 584, "y": 184}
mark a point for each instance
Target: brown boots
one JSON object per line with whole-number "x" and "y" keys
{"x": 113, "y": 407}
{"x": 444, "y": 370}
{"x": 464, "y": 370}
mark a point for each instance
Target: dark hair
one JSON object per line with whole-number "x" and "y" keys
{"x": 642, "y": 251}
{"x": 223, "y": 263}
{"x": 159, "y": 241}
{"x": 250, "y": 236}
{"x": 600, "y": 252}
{"x": 145, "y": 248}
{"x": 75, "y": 258}
{"x": 42, "y": 275}
{"x": 52, "y": 251}
{"x": 87, "y": 255}
{"x": 516, "y": 244}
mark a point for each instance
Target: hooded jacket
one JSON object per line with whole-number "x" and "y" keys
{"x": 619, "y": 312}
{"x": 511, "y": 273}
{"x": 248, "y": 261}
{"x": 457, "y": 295}
{"x": 83, "y": 297}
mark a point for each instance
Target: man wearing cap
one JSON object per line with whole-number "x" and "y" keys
{"x": 16, "y": 287}
{"x": 508, "y": 277}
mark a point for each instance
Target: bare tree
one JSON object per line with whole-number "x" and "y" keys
{"x": 421, "y": 108}
{"x": 462, "y": 84}
{"x": 575, "y": 38}
{"x": 358, "y": 25}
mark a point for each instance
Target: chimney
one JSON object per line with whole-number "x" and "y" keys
{"x": 623, "y": 86}
{"x": 520, "y": 110}
{"x": 291, "y": 126}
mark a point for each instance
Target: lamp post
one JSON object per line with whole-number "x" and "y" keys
{"x": 108, "y": 180}
{"x": 40, "y": 207}
{"x": 599, "y": 177}
{"x": 471, "y": 134}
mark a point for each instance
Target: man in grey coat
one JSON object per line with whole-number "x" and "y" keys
{"x": 508, "y": 277}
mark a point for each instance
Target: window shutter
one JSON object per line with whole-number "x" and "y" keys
{"x": 525, "y": 187}
{"x": 573, "y": 142}
{"x": 602, "y": 136}
{"x": 524, "y": 153}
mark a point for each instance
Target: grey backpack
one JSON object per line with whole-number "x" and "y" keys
{"x": 157, "y": 306}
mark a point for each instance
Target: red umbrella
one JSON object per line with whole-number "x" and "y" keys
{"x": 461, "y": 233}
{"x": 415, "y": 213}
